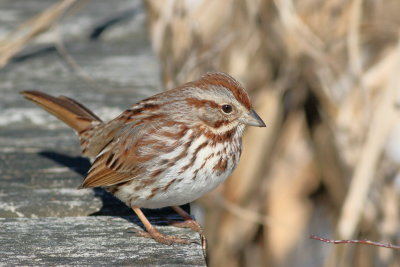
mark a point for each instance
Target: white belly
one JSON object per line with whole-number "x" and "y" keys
{"x": 181, "y": 184}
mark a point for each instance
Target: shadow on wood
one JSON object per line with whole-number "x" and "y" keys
{"x": 111, "y": 206}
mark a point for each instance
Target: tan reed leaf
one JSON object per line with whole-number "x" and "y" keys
{"x": 15, "y": 41}
{"x": 365, "y": 170}
{"x": 292, "y": 177}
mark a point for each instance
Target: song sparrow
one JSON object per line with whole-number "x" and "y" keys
{"x": 166, "y": 150}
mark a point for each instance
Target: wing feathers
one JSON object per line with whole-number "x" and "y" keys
{"x": 105, "y": 177}
{"x": 118, "y": 161}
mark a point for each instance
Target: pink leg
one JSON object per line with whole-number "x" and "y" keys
{"x": 153, "y": 233}
{"x": 190, "y": 223}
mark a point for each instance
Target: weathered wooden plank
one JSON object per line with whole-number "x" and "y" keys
{"x": 32, "y": 185}
{"x": 110, "y": 74}
{"x": 107, "y": 84}
{"x": 44, "y": 169}
{"x": 25, "y": 137}
{"x": 90, "y": 241}
{"x": 60, "y": 202}
{"x": 46, "y": 220}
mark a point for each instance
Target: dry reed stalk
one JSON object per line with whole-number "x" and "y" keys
{"x": 16, "y": 41}
{"x": 366, "y": 169}
{"x": 381, "y": 125}
{"x": 293, "y": 177}
{"x": 389, "y": 225}
{"x": 334, "y": 174}
{"x": 353, "y": 39}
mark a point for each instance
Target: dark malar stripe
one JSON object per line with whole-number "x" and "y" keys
{"x": 220, "y": 138}
{"x": 220, "y": 123}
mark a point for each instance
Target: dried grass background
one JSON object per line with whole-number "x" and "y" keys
{"x": 325, "y": 77}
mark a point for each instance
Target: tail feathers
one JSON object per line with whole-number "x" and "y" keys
{"x": 66, "y": 109}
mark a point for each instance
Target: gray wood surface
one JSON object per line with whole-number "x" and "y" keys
{"x": 89, "y": 241}
{"x": 44, "y": 219}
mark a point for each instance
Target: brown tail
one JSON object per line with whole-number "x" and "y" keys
{"x": 66, "y": 109}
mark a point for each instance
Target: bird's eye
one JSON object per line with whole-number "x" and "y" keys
{"x": 227, "y": 108}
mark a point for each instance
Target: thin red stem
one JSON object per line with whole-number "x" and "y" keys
{"x": 365, "y": 242}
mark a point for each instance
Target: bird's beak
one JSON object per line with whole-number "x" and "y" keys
{"x": 252, "y": 119}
